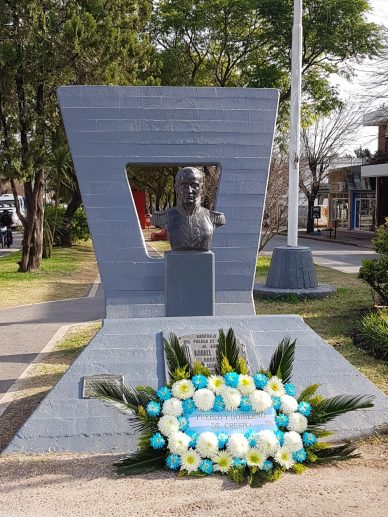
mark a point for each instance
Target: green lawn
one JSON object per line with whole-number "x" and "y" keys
{"x": 67, "y": 274}
{"x": 334, "y": 318}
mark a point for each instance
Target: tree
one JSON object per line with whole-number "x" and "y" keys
{"x": 322, "y": 143}
{"x": 46, "y": 43}
{"x": 248, "y": 43}
{"x": 276, "y": 201}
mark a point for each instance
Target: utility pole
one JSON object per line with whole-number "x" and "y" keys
{"x": 294, "y": 148}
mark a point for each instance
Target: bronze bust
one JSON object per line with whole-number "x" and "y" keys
{"x": 189, "y": 225}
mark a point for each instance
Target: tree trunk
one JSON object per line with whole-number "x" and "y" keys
{"x": 310, "y": 220}
{"x": 32, "y": 246}
{"x": 72, "y": 207}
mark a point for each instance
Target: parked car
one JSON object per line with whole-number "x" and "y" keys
{"x": 7, "y": 202}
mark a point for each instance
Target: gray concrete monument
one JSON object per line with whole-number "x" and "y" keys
{"x": 110, "y": 127}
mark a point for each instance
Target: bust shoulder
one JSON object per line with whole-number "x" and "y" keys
{"x": 217, "y": 218}
{"x": 160, "y": 218}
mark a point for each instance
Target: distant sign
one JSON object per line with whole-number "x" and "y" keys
{"x": 203, "y": 348}
{"x": 230, "y": 422}
{"x": 89, "y": 382}
{"x": 316, "y": 212}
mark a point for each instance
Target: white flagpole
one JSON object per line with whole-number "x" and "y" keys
{"x": 294, "y": 149}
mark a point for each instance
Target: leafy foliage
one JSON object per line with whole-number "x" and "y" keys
{"x": 374, "y": 333}
{"x": 328, "y": 409}
{"x": 282, "y": 360}
{"x": 337, "y": 453}
{"x": 308, "y": 393}
{"x": 141, "y": 462}
{"x": 199, "y": 368}
{"x": 228, "y": 352}
{"x": 177, "y": 358}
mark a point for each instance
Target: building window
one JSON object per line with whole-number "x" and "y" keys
{"x": 340, "y": 211}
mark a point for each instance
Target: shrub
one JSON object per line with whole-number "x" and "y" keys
{"x": 79, "y": 226}
{"x": 375, "y": 271}
{"x": 374, "y": 333}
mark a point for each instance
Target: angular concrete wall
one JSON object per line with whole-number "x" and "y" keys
{"x": 109, "y": 127}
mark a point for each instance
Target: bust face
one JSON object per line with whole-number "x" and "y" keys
{"x": 189, "y": 187}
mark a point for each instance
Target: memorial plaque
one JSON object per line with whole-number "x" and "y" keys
{"x": 203, "y": 348}
{"x": 89, "y": 381}
{"x": 230, "y": 422}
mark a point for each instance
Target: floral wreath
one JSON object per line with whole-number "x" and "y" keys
{"x": 166, "y": 439}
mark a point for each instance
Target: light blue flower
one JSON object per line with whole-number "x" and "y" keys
{"x": 251, "y": 437}
{"x": 304, "y": 408}
{"x": 276, "y": 402}
{"x": 299, "y": 456}
{"x": 222, "y": 440}
{"x": 164, "y": 393}
{"x": 239, "y": 462}
{"x": 267, "y": 466}
{"x": 199, "y": 381}
{"x": 157, "y": 441}
{"x": 188, "y": 406}
{"x": 309, "y": 438}
{"x": 290, "y": 389}
{"x": 245, "y": 404}
{"x": 280, "y": 437}
{"x": 260, "y": 380}
{"x": 183, "y": 423}
{"x": 194, "y": 437}
{"x": 281, "y": 420}
{"x": 219, "y": 404}
{"x": 206, "y": 466}
{"x": 153, "y": 408}
{"x": 231, "y": 379}
{"x": 173, "y": 461}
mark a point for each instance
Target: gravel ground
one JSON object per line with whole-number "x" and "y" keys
{"x": 78, "y": 485}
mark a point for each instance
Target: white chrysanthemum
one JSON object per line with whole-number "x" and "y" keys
{"x": 297, "y": 422}
{"x": 172, "y": 407}
{"x": 274, "y": 387}
{"x": 183, "y": 389}
{"x": 238, "y": 445}
{"x": 222, "y": 462}
{"x": 260, "y": 400}
{"x": 190, "y": 461}
{"x": 267, "y": 442}
{"x": 232, "y": 398}
{"x": 292, "y": 441}
{"x": 255, "y": 458}
{"x": 216, "y": 383}
{"x": 168, "y": 425}
{"x": 204, "y": 399}
{"x": 288, "y": 404}
{"x": 207, "y": 445}
{"x": 178, "y": 443}
{"x": 246, "y": 384}
{"x": 284, "y": 457}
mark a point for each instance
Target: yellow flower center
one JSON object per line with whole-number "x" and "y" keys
{"x": 245, "y": 382}
{"x": 223, "y": 462}
{"x": 254, "y": 458}
{"x": 190, "y": 460}
{"x": 217, "y": 383}
{"x": 184, "y": 388}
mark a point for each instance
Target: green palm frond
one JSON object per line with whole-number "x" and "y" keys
{"x": 308, "y": 392}
{"x": 227, "y": 348}
{"x": 141, "y": 462}
{"x": 337, "y": 453}
{"x": 257, "y": 479}
{"x": 283, "y": 359}
{"x": 177, "y": 357}
{"x": 127, "y": 400}
{"x": 328, "y": 409}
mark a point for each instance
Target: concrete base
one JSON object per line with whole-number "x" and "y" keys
{"x": 292, "y": 271}
{"x": 133, "y": 348}
{"x": 189, "y": 283}
{"x": 321, "y": 291}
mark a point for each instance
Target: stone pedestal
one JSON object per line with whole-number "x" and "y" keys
{"x": 292, "y": 272}
{"x": 189, "y": 283}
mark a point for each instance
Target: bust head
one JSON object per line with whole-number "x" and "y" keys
{"x": 188, "y": 186}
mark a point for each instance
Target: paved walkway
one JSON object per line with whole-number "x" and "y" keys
{"x": 26, "y": 330}
{"x": 336, "y": 255}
